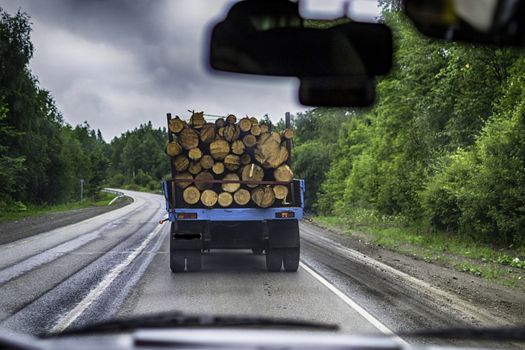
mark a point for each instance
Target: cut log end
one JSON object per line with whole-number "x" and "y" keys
{"x": 242, "y": 196}
{"x": 219, "y": 149}
{"x": 204, "y": 176}
{"x": 231, "y": 187}
{"x": 195, "y": 154}
{"x": 249, "y": 140}
{"x": 232, "y": 162}
{"x": 176, "y": 125}
{"x": 238, "y": 147}
{"x": 207, "y": 162}
{"x": 245, "y": 124}
{"x": 280, "y": 192}
{"x": 209, "y": 198}
{"x": 195, "y": 168}
{"x": 263, "y": 196}
{"x": 183, "y": 176}
{"x": 173, "y": 149}
{"x": 225, "y": 199}
{"x": 188, "y": 139}
{"x": 207, "y": 133}
{"x": 197, "y": 120}
{"x": 283, "y": 173}
{"x": 181, "y": 163}
{"x": 252, "y": 172}
{"x": 231, "y": 119}
{"x": 191, "y": 195}
{"x": 218, "y": 168}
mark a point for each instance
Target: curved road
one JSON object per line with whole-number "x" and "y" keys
{"x": 117, "y": 264}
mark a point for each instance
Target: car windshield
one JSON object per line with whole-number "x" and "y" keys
{"x": 135, "y": 180}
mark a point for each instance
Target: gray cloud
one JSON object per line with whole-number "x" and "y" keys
{"x": 120, "y": 63}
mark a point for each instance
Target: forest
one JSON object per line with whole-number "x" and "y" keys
{"x": 443, "y": 148}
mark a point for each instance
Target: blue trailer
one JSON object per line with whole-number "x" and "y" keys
{"x": 272, "y": 231}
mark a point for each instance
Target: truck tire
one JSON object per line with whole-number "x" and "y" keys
{"x": 274, "y": 259}
{"x": 193, "y": 260}
{"x": 291, "y": 259}
{"x": 177, "y": 261}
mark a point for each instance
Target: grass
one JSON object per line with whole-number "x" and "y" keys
{"x": 502, "y": 265}
{"x": 39, "y": 210}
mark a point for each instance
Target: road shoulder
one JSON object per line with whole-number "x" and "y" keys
{"x": 503, "y": 302}
{"x": 11, "y": 231}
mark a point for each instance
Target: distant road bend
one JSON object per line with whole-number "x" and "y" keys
{"x": 117, "y": 264}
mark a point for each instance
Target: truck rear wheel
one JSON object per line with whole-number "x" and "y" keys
{"x": 177, "y": 261}
{"x": 291, "y": 259}
{"x": 274, "y": 259}
{"x": 193, "y": 260}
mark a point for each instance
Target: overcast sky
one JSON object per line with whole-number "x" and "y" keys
{"x": 120, "y": 63}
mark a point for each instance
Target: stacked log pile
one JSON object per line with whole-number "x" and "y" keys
{"x": 233, "y": 151}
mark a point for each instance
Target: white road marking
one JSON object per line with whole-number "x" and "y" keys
{"x": 347, "y": 300}
{"x": 72, "y": 315}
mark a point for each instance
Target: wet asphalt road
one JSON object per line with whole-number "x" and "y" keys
{"x": 117, "y": 264}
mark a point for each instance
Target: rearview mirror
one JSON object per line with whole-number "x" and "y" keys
{"x": 269, "y": 38}
{"x": 500, "y": 22}
{"x": 338, "y": 92}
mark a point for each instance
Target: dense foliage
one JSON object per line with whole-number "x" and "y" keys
{"x": 443, "y": 148}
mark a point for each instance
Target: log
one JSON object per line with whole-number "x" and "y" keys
{"x": 197, "y": 120}
{"x": 218, "y": 168}
{"x": 276, "y": 136}
{"x": 231, "y": 132}
{"x": 219, "y": 123}
{"x": 252, "y": 172}
{"x": 287, "y": 134}
{"x": 208, "y": 133}
{"x": 209, "y": 198}
{"x": 225, "y": 199}
{"x": 173, "y": 149}
{"x": 188, "y": 138}
{"x": 245, "y": 124}
{"x": 231, "y": 187}
{"x": 184, "y": 175}
{"x": 264, "y": 128}
{"x": 220, "y": 132}
{"x": 195, "y": 154}
{"x": 219, "y": 149}
{"x": 205, "y": 175}
{"x": 195, "y": 168}
{"x": 283, "y": 173}
{"x": 255, "y": 130}
{"x": 191, "y": 195}
{"x": 231, "y": 119}
{"x": 254, "y": 120}
{"x": 207, "y": 162}
{"x": 232, "y": 162}
{"x": 270, "y": 153}
{"x": 176, "y": 125}
{"x": 238, "y": 147}
{"x": 242, "y": 196}
{"x": 280, "y": 191}
{"x": 246, "y": 159}
{"x": 249, "y": 140}
{"x": 263, "y": 196}
{"x": 181, "y": 163}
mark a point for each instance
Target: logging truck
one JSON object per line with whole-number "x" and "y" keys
{"x": 232, "y": 187}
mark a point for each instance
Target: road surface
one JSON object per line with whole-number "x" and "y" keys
{"x": 117, "y": 264}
